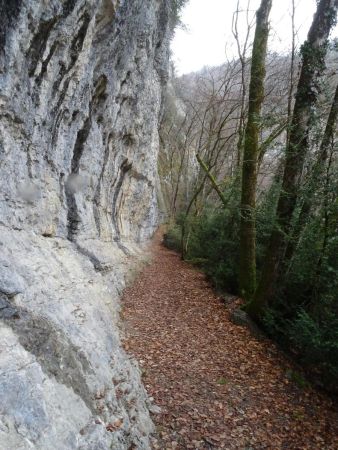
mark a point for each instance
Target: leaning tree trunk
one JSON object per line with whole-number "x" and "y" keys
{"x": 313, "y": 63}
{"x": 316, "y": 174}
{"x": 247, "y": 272}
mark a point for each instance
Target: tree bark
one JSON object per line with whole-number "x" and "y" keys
{"x": 247, "y": 271}
{"x": 313, "y": 63}
{"x": 316, "y": 174}
{"x": 212, "y": 180}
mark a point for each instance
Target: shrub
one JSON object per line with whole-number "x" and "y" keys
{"x": 304, "y": 313}
{"x": 212, "y": 243}
{"x": 172, "y": 238}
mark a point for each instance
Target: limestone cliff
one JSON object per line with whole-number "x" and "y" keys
{"x": 80, "y": 98}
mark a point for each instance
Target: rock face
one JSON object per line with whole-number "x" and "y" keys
{"x": 80, "y": 98}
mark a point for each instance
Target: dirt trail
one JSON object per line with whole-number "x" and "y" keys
{"x": 217, "y": 386}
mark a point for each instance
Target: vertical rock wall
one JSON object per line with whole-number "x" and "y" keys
{"x": 80, "y": 97}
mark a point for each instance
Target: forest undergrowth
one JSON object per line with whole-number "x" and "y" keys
{"x": 217, "y": 386}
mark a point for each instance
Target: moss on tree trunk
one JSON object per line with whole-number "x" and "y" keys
{"x": 313, "y": 63}
{"x": 247, "y": 274}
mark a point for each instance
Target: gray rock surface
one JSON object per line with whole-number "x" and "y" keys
{"x": 80, "y": 98}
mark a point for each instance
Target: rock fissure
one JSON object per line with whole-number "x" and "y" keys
{"x": 73, "y": 183}
{"x": 39, "y": 44}
{"x": 9, "y": 11}
{"x": 124, "y": 168}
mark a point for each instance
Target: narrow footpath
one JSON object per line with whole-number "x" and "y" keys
{"x": 217, "y": 386}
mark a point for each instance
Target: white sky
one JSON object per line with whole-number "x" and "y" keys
{"x": 208, "y": 30}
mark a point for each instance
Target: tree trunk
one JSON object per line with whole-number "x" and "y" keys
{"x": 247, "y": 274}
{"x": 212, "y": 180}
{"x": 317, "y": 172}
{"x": 313, "y": 63}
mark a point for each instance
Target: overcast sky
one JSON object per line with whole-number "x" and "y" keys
{"x": 208, "y": 30}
